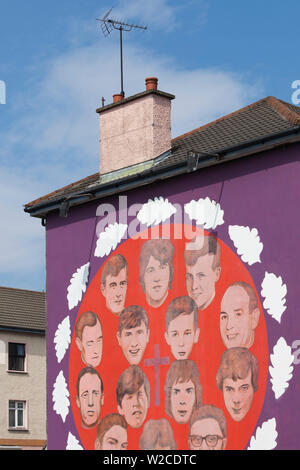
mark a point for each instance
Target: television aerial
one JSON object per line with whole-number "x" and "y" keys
{"x": 107, "y": 25}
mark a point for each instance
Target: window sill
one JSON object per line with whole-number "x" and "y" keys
{"x": 18, "y": 430}
{"x": 24, "y": 372}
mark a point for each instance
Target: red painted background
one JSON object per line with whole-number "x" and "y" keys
{"x": 206, "y": 353}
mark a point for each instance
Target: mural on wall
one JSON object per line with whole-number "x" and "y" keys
{"x": 169, "y": 348}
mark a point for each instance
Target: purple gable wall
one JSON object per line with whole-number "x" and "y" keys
{"x": 261, "y": 191}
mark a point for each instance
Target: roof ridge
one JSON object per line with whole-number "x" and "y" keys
{"x": 282, "y": 108}
{"x": 23, "y": 290}
{"x": 222, "y": 118}
{"x": 278, "y": 105}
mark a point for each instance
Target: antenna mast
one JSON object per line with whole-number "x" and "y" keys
{"x": 107, "y": 25}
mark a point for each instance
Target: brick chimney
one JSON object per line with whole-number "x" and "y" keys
{"x": 135, "y": 129}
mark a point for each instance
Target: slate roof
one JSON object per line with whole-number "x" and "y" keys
{"x": 22, "y": 309}
{"x": 265, "y": 118}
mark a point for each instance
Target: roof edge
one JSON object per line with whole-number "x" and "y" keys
{"x": 254, "y": 146}
{"x": 276, "y": 104}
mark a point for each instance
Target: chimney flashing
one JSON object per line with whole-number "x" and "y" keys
{"x": 134, "y": 97}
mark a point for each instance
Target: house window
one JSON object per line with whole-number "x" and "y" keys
{"x": 16, "y": 357}
{"x": 16, "y": 417}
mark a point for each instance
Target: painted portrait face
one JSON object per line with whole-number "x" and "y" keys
{"x": 115, "y": 439}
{"x": 201, "y": 280}
{"x": 114, "y": 290}
{"x": 238, "y": 396}
{"x": 182, "y": 335}
{"x": 206, "y": 434}
{"x": 134, "y": 407}
{"x": 156, "y": 280}
{"x": 91, "y": 344}
{"x": 90, "y": 400}
{"x": 182, "y": 401}
{"x": 237, "y": 323}
{"x": 133, "y": 342}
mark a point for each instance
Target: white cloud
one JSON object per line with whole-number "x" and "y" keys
{"x": 156, "y": 14}
{"x": 55, "y": 140}
{"x": 21, "y": 238}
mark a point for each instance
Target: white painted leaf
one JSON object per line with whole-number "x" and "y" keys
{"x": 77, "y": 285}
{"x": 205, "y": 212}
{"x": 281, "y": 369}
{"x": 265, "y": 436}
{"x": 60, "y": 396}
{"x": 109, "y": 239}
{"x": 73, "y": 443}
{"x": 155, "y": 212}
{"x": 247, "y": 243}
{"x": 62, "y": 338}
{"x": 274, "y": 292}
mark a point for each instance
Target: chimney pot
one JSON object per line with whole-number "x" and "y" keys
{"x": 151, "y": 83}
{"x": 118, "y": 97}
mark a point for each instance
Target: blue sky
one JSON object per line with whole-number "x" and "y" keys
{"x": 215, "y": 56}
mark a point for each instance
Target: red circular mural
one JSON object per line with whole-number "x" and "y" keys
{"x": 158, "y": 273}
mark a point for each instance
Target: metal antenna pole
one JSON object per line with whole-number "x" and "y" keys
{"x": 107, "y": 24}
{"x": 121, "y": 59}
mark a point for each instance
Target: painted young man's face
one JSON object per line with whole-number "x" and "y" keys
{"x": 156, "y": 280}
{"x": 134, "y": 407}
{"x": 133, "y": 342}
{"x": 114, "y": 291}
{"x": 237, "y": 323}
{"x": 182, "y": 401}
{"x": 238, "y": 395}
{"x": 115, "y": 439}
{"x": 90, "y": 400}
{"x": 201, "y": 279}
{"x": 206, "y": 434}
{"x": 91, "y": 344}
{"x": 182, "y": 335}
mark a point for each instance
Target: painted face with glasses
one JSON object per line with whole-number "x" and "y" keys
{"x": 206, "y": 430}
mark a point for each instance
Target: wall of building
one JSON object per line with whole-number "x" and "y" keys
{"x": 28, "y": 386}
{"x": 260, "y": 193}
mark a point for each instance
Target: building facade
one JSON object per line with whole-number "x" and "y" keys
{"x": 172, "y": 283}
{"x": 22, "y": 369}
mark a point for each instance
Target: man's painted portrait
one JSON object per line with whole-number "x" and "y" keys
{"x": 239, "y": 316}
{"x": 182, "y": 330}
{"x": 156, "y": 270}
{"x": 114, "y": 282}
{"x": 203, "y": 270}
{"x": 183, "y": 390}
{"x": 207, "y": 429}
{"x": 133, "y": 396}
{"x": 157, "y": 435}
{"x": 89, "y": 338}
{"x": 133, "y": 333}
{"x": 237, "y": 378}
{"x": 90, "y": 396}
{"x": 112, "y": 433}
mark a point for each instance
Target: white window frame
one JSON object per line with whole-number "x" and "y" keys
{"x": 17, "y": 427}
